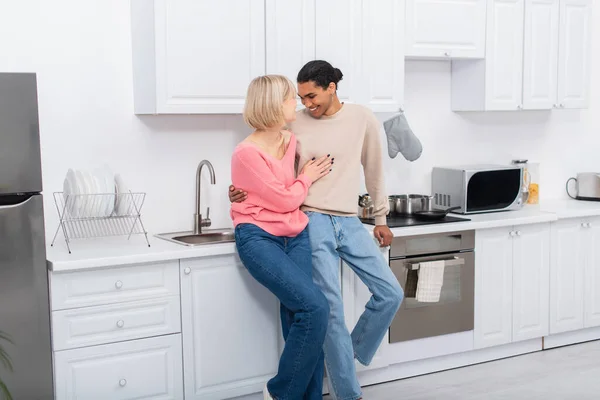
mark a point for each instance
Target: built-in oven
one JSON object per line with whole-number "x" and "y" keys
{"x": 452, "y": 310}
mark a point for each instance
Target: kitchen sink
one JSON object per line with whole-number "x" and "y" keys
{"x": 212, "y": 236}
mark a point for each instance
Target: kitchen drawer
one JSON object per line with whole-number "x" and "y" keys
{"x": 88, "y": 326}
{"x": 137, "y": 369}
{"x": 114, "y": 285}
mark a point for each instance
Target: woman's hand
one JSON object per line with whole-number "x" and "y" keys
{"x": 316, "y": 169}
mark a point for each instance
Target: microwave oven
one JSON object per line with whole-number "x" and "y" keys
{"x": 478, "y": 188}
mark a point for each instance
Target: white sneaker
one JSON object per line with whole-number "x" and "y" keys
{"x": 266, "y": 394}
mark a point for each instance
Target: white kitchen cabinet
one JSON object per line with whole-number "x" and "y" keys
{"x": 574, "y": 53}
{"x": 493, "y": 287}
{"x": 531, "y": 282}
{"x": 537, "y": 58}
{"x": 356, "y": 295}
{"x": 567, "y": 265}
{"x": 575, "y": 275}
{"x": 230, "y": 327}
{"x": 445, "y": 28}
{"x": 364, "y": 39}
{"x": 592, "y": 273}
{"x": 511, "y": 284}
{"x": 494, "y": 83}
{"x": 137, "y": 369}
{"x": 196, "y": 56}
{"x": 540, "y": 69}
{"x": 290, "y": 36}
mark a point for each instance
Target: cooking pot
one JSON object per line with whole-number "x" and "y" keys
{"x": 408, "y": 204}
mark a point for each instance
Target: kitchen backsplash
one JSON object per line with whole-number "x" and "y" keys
{"x": 86, "y": 114}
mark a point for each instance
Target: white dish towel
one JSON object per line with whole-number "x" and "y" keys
{"x": 431, "y": 280}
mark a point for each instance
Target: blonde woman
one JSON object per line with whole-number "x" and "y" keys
{"x": 272, "y": 237}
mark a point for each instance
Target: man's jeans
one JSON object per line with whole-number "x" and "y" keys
{"x": 332, "y": 238}
{"x": 284, "y": 266}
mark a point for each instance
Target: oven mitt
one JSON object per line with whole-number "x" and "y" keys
{"x": 401, "y": 139}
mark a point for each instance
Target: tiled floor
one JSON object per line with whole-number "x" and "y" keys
{"x": 565, "y": 373}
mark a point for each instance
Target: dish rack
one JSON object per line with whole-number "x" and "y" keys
{"x": 86, "y": 216}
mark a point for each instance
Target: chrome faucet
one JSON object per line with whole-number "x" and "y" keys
{"x": 199, "y": 222}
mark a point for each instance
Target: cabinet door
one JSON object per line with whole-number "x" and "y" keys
{"x": 504, "y": 55}
{"x": 574, "y": 53}
{"x": 567, "y": 260}
{"x": 338, "y": 41}
{"x": 592, "y": 273}
{"x": 445, "y": 28}
{"x": 230, "y": 327}
{"x": 207, "y": 53}
{"x": 531, "y": 281}
{"x": 383, "y": 55}
{"x": 493, "y": 287}
{"x": 137, "y": 369}
{"x": 356, "y": 295}
{"x": 290, "y": 35}
{"x": 540, "y": 67}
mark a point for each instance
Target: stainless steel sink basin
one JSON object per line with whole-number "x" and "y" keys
{"x": 213, "y": 236}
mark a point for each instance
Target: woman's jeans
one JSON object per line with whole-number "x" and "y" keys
{"x": 284, "y": 266}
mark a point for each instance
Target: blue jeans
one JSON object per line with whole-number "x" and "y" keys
{"x": 284, "y": 266}
{"x": 332, "y": 238}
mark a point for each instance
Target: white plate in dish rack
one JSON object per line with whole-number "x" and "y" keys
{"x": 109, "y": 178}
{"x": 124, "y": 203}
{"x": 70, "y": 194}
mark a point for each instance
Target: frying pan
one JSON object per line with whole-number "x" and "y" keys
{"x": 434, "y": 214}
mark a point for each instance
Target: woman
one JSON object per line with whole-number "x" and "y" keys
{"x": 271, "y": 234}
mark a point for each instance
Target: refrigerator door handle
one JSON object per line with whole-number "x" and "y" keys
{"x": 13, "y": 201}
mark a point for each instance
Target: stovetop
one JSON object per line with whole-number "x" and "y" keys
{"x": 403, "y": 221}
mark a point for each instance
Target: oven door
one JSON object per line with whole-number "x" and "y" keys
{"x": 454, "y": 312}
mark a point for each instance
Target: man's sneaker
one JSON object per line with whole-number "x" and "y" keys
{"x": 266, "y": 394}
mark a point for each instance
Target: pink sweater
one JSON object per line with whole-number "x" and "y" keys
{"x": 274, "y": 193}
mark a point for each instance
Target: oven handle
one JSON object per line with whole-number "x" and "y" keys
{"x": 452, "y": 262}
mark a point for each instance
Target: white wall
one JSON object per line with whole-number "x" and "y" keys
{"x": 81, "y": 51}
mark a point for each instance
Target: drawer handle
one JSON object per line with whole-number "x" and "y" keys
{"x": 118, "y": 284}
{"x": 187, "y": 270}
{"x": 123, "y": 382}
{"x": 120, "y": 323}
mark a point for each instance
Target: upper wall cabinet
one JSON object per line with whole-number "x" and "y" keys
{"x": 290, "y": 36}
{"x": 574, "y": 53}
{"x": 198, "y": 56}
{"x": 363, "y": 38}
{"x": 537, "y": 58}
{"x": 445, "y": 28}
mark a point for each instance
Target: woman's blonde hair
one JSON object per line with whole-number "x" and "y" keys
{"x": 264, "y": 101}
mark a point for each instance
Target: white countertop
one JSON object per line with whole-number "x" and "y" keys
{"x": 107, "y": 252}
{"x": 96, "y": 253}
{"x": 567, "y": 208}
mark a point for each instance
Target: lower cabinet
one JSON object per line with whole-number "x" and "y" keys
{"x": 512, "y": 272}
{"x": 138, "y": 369}
{"x": 231, "y": 329}
{"x": 575, "y": 275}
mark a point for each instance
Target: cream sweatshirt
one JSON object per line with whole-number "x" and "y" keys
{"x": 351, "y": 136}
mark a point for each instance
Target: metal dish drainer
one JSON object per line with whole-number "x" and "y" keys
{"x": 86, "y": 216}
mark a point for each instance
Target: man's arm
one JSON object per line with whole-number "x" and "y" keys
{"x": 375, "y": 180}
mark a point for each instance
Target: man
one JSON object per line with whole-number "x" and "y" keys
{"x": 350, "y": 134}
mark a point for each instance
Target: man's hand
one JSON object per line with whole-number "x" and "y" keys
{"x": 237, "y": 196}
{"x": 384, "y": 235}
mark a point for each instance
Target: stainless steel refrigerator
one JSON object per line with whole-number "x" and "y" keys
{"x": 24, "y": 300}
